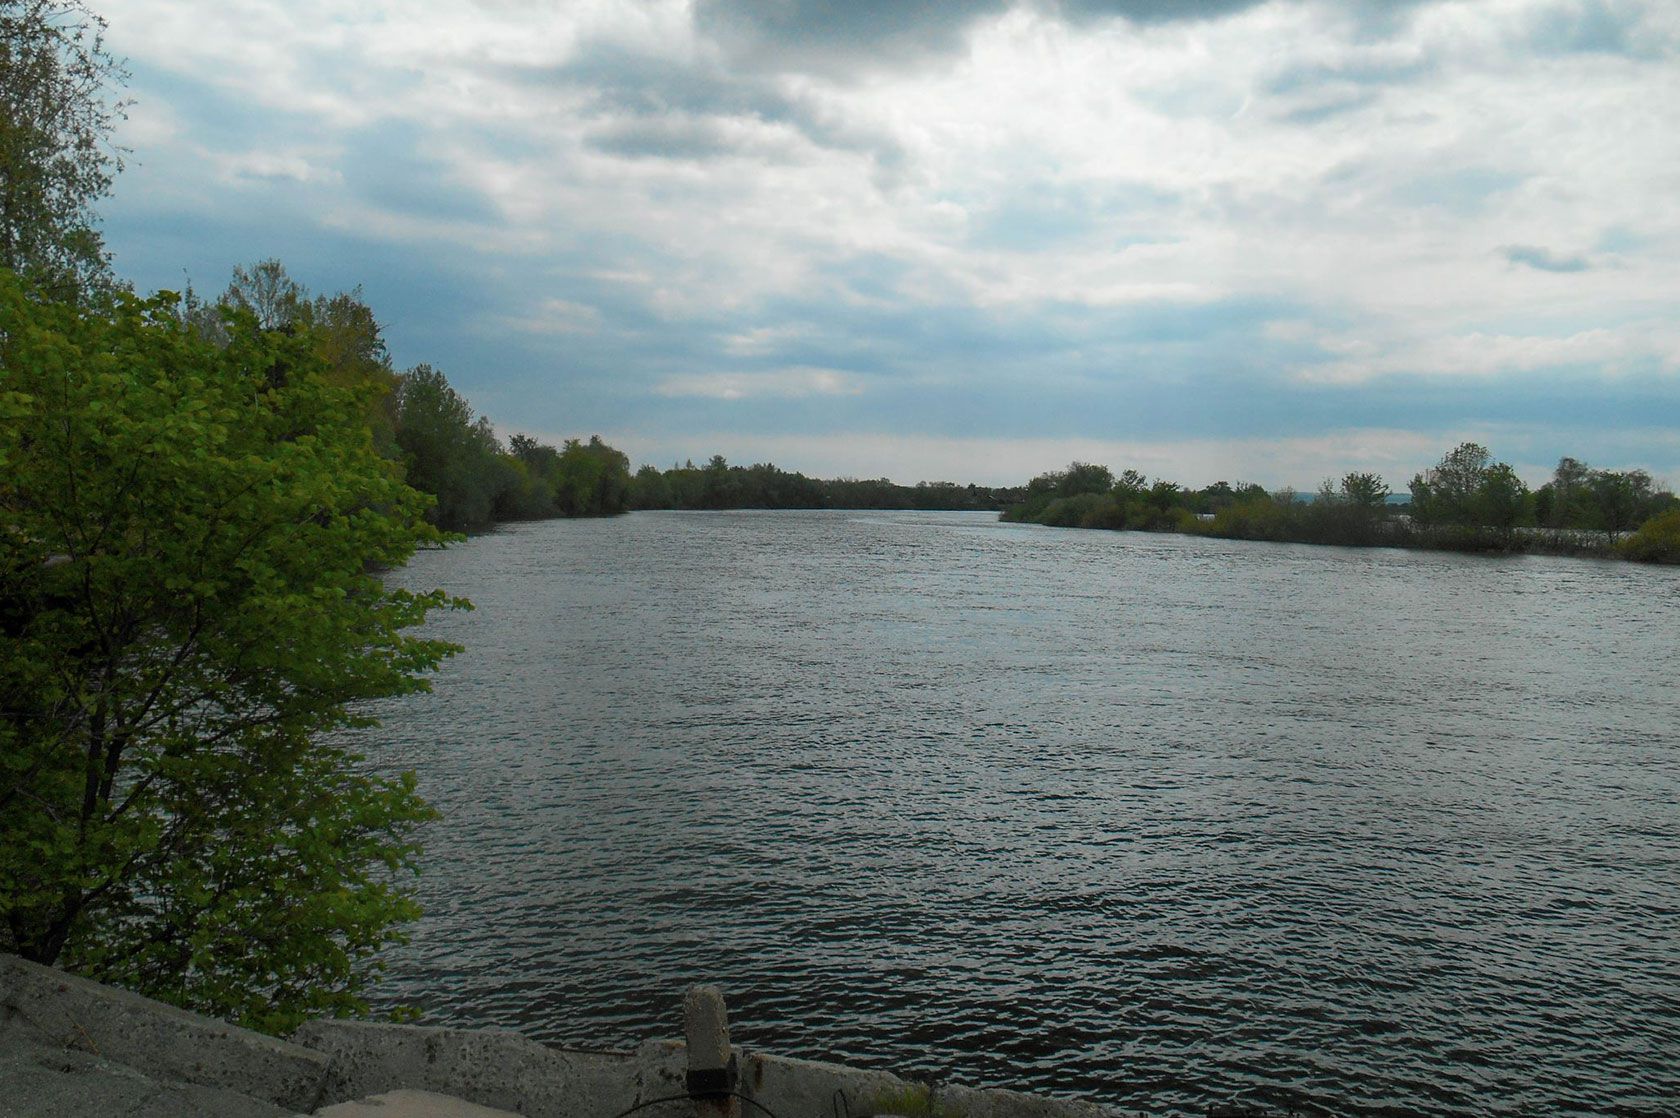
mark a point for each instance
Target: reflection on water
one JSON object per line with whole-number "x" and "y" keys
{"x": 1160, "y": 821}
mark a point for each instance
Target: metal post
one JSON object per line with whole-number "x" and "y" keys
{"x": 712, "y": 1070}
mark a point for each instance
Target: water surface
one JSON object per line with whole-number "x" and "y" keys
{"x": 1159, "y": 821}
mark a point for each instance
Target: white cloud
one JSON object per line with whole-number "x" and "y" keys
{"x": 1608, "y": 352}
{"x": 550, "y": 316}
{"x": 778, "y": 383}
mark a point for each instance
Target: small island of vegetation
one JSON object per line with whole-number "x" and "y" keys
{"x": 1466, "y": 502}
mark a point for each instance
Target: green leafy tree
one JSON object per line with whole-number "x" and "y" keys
{"x": 187, "y": 614}
{"x": 1365, "y": 491}
{"x": 56, "y": 158}
{"x": 1445, "y": 495}
{"x": 594, "y": 479}
{"x": 649, "y": 489}
{"x": 1615, "y": 501}
{"x": 449, "y": 453}
{"x": 1567, "y": 494}
{"x": 1502, "y": 503}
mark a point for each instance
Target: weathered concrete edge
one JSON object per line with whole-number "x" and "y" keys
{"x": 488, "y": 1067}
{"x": 512, "y": 1072}
{"x": 329, "y": 1062}
{"x": 54, "y": 1009}
{"x": 791, "y": 1086}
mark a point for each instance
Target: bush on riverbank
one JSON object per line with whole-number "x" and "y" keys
{"x": 1656, "y": 541}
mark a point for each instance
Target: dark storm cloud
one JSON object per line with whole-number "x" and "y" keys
{"x": 667, "y": 138}
{"x": 1153, "y": 11}
{"x": 1355, "y": 73}
{"x": 1588, "y": 27}
{"x": 793, "y": 34}
{"x": 1543, "y": 259}
{"x": 773, "y": 32}
{"x": 647, "y": 105}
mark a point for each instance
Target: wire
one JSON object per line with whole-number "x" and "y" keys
{"x": 651, "y": 1102}
{"x": 687, "y": 1098}
{"x": 755, "y": 1102}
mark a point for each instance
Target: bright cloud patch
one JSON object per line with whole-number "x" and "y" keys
{"x": 777, "y": 383}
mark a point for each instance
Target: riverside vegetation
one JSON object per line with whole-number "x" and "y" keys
{"x": 1466, "y": 502}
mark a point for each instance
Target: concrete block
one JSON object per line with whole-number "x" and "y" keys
{"x": 495, "y": 1069}
{"x": 788, "y": 1086}
{"x": 47, "y": 1007}
{"x": 411, "y": 1104}
{"x": 43, "y": 1082}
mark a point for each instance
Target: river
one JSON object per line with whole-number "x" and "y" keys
{"x": 1159, "y": 821}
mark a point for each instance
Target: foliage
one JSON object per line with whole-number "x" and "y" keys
{"x": 1446, "y": 494}
{"x": 1657, "y": 540}
{"x": 718, "y": 485}
{"x": 1466, "y": 502}
{"x": 448, "y": 452}
{"x": 187, "y": 535}
{"x": 592, "y": 479}
{"x": 1616, "y": 501}
{"x": 55, "y": 155}
{"x": 455, "y": 455}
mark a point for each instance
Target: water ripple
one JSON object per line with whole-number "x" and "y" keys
{"x": 1159, "y": 821}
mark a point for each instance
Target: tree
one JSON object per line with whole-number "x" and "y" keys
{"x": 187, "y": 535}
{"x": 594, "y": 479}
{"x": 265, "y": 290}
{"x": 1568, "y": 495}
{"x": 649, "y": 489}
{"x": 56, "y": 158}
{"x": 1616, "y": 501}
{"x": 1445, "y": 495}
{"x": 1502, "y": 502}
{"x": 449, "y": 453}
{"x": 1365, "y": 491}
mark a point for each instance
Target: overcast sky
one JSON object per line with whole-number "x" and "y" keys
{"x": 968, "y": 241}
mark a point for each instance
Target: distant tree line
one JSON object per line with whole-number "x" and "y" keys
{"x": 419, "y": 420}
{"x": 476, "y": 480}
{"x": 1466, "y": 502}
{"x": 718, "y": 485}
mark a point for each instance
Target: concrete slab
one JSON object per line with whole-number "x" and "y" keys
{"x": 44, "y": 1007}
{"x": 496, "y": 1069}
{"x": 411, "y": 1104}
{"x": 39, "y": 1082}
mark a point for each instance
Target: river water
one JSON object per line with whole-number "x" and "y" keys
{"x": 1158, "y": 821}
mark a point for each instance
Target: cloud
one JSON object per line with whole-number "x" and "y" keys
{"x": 294, "y": 166}
{"x": 1120, "y": 224}
{"x": 1543, "y": 259}
{"x": 1588, "y": 27}
{"x": 1601, "y": 351}
{"x": 792, "y": 382}
{"x": 553, "y": 316}
{"x": 1151, "y": 11}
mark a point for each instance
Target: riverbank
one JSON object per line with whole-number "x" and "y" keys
{"x": 1337, "y": 524}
